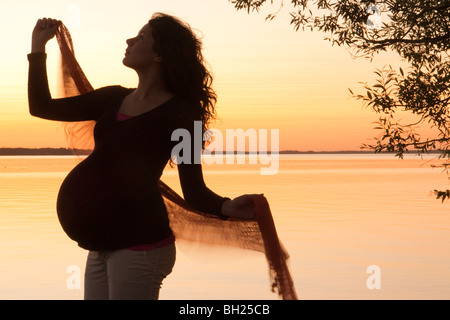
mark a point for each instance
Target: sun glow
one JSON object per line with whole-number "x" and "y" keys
{"x": 267, "y": 76}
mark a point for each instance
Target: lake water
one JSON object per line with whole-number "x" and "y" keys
{"x": 357, "y": 226}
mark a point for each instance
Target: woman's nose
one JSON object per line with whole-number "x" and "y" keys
{"x": 130, "y": 41}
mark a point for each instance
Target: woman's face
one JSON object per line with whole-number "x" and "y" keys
{"x": 140, "y": 54}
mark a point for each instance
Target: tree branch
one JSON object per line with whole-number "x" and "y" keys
{"x": 384, "y": 42}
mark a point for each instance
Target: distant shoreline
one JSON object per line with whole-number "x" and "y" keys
{"x": 70, "y": 152}
{"x": 41, "y": 152}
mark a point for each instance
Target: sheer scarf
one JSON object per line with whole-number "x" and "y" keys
{"x": 187, "y": 224}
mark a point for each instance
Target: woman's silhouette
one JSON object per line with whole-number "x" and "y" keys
{"x": 110, "y": 204}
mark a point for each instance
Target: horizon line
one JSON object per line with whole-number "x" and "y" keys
{"x": 71, "y": 151}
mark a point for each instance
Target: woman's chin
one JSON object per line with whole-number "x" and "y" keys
{"x": 126, "y": 62}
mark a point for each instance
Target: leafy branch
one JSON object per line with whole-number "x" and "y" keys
{"x": 419, "y": 32}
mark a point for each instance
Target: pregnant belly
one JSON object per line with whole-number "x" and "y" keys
{"x": 96, "y": 203}
{"x": 86, "y": 201}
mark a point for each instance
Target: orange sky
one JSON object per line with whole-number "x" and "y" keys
{"x": 267, "y": 75}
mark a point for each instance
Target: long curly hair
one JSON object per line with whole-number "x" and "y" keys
{"x": 183, "y": 65}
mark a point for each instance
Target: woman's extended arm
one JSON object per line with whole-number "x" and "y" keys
{"x": 196, "y": 193}
{"x": 199, "y": 196}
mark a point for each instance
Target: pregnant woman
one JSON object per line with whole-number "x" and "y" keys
{"x": 110, "y": 204}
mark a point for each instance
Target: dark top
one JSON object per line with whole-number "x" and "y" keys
{"x": 111, "y": 200}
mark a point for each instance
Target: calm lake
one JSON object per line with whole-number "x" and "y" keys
{"x": 356, "y": 226}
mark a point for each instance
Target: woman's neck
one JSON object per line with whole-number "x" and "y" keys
{"x": 151, "y": 87}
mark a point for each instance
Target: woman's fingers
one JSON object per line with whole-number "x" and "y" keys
{"x": 46, "y": 23}
{"x": 247, "y": 197}
{"x": 44, "y": 30}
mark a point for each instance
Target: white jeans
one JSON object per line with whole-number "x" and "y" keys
{"x": 126, "y": 274}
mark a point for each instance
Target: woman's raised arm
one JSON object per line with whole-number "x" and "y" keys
{"x": 78, "y": 108}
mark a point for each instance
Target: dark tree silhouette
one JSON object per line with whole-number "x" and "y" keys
{"x": 406, "y": 100}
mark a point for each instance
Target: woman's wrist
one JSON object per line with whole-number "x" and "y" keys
{"x": 37, "y": 46}
{"x": 224, "y": 208}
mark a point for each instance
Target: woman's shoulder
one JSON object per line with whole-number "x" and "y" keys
{"x": 107, "y": 95}
{"x": 115, "y": 89}
{"x": 182, "y": 110}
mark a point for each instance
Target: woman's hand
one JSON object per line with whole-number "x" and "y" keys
{"x": 241, "y": 207}
{"x": 44, "y": 30}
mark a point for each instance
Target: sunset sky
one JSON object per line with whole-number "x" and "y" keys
{"x": 267, "y": 75}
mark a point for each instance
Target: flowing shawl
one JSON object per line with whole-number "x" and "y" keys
{"x": 185, "y": 222}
